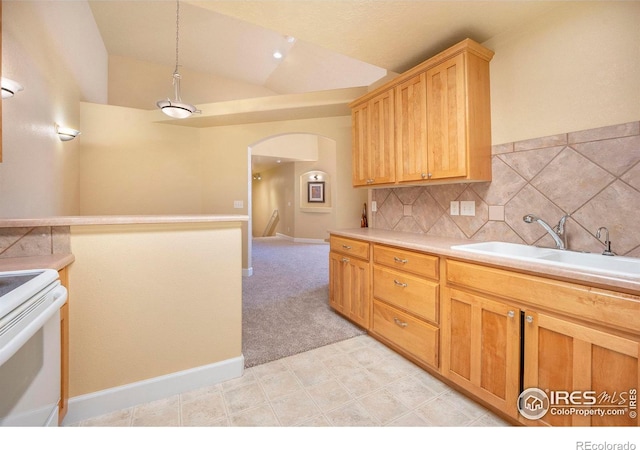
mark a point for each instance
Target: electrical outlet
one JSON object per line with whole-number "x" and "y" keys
{"x": 238, "y": 204}
{"x": 374, "y": 206}
{"x": 454, "y": 208}
{"x": 467, "y": 208}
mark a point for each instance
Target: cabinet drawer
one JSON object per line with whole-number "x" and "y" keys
{"x": 413, "y": 294}
{"x": 352, "y": 247}
{"x": 406, "y": 260}
{"x": 414, "y": 336}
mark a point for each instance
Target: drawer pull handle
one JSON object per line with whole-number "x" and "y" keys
{"x": 399, "y": 260}
{"x": 530, "y": 319}
{"x": 400, "y": 323}
{"x": 348, "y": 247}
{"x": 345, "y": 260}
{"x": 399, "y": 283}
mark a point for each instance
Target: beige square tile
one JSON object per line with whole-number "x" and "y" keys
{"x": 366, "y": 356}
{"x": 318, "y": 421}
{"x": 383, "y": 406}
{"x": 359, "y": 382}
{"x": 313, "y": 375}
{"x": 260, "y": 416}
{"x": 294, "y": 409}
{"x": 496, "y": 212}
{"x": 411, "y": 391}
{"x": 329, "y": 395}
{"x": 205, "y": 410}
{"x": 351, "y": 415}
{"x": 465, "y": 404}
{"x": 443, "y": 414}
{"x": 409, "y": 420}
{"x": 121, "y": 418}
{"x": 278, "y": 384}
{"x": 244, "y": 397}
{"x": 489, "y": 420}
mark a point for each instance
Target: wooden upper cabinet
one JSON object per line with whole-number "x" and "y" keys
{"x": 446, "y": 119}
{"x": 373, "y": 141}
{"x": 411, "y": 129}
{"x": 441, "y": 119}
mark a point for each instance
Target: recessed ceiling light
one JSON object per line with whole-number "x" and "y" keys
{"x": 277, "y": 55}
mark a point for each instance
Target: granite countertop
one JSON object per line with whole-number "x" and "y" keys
{"x": 442, "y": 246}
{"x": 121, "y": 220}
{"x": 55, "y": 262}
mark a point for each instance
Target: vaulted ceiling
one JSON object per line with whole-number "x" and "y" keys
{"x": 338, "y": 43}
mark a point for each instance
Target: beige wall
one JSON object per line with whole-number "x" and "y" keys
{"x": 38, "y": 175}
{"x": 129, "y": 282}
{"x": 575, "y": 68}
{"x": 131, "y": 165}
{"x": 271, "y": 192}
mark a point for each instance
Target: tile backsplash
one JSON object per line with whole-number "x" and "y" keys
{"x": 34, "y": 241}
{"x": 592, "y": 175}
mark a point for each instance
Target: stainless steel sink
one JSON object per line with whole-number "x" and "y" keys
{"x": 612, "y": 265}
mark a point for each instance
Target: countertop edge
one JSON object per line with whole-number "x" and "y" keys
{"x": 120, "y": 220}
{"x": 442, "y": 246}
{"x": 55, "y": 261}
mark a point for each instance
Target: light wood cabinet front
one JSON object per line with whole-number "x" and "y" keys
{"x": 349, "y": 280}
{"x": 563, "y": 356}
{"x": 446, "y": 119}
{"x": 373, "y": 145}
{"x": 411, "y": 129}
{"x": 413, "y": 294}
{"x": 481, "y": 348}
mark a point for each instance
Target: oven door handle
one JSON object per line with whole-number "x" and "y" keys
{"x": 59, "y": 297}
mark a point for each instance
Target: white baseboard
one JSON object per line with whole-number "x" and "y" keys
{"x": 98, "y": 403}
{"x": 303, "y": 240}
{"x": 247, "y": 272}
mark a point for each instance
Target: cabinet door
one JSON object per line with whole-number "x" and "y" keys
{"x": 336, "y": 282}
{"x": 360, "y": 144}
{"x": 446, "y": 119}
{"x": 411, "y": 129}
{"x": 481, "y": 348}
{"x": 382, "y": 139}
{"x": 349, "y": 290}
{"x": 563, "y": 356}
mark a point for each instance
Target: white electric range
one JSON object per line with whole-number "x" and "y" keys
{"x": 30, "y": 302}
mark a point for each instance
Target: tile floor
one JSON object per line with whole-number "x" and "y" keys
{"x": 357, "y": 382}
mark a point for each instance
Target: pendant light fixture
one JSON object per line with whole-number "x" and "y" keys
{"x": 176, "y": 108}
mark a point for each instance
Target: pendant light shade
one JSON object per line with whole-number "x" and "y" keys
{"x": 177, "y": 108}
{"x": 10, "y": 87}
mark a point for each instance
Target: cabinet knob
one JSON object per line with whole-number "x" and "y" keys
{"x": 369, "y": 180}
{"x": 423, "y": 175}
{"x": 400, "y": 323}
{"x": 399, "y": 283}
{"x": 511, "y": 314}
{"x": 530, "y": 319}
{"x": 345, "y": 260}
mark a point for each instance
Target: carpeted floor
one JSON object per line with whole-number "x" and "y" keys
{"x": 285, "y": 303}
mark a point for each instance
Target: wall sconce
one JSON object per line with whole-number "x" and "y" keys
{"x": 10, "y": 87}
{"x": 65, "y": 133}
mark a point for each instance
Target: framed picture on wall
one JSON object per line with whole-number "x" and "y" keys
{"x": 315, "y": 191}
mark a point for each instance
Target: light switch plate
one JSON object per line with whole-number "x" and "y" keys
{"x": 467, "y": 208}
{"x": 454, "y": 208}
{"x": 238, "y": 204}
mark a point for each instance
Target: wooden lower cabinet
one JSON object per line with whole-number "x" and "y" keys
{"x": 481, "y": 348}
{"x": 414, "y": 336}
{"x": 598, "y": 367}
{"x": 349, "y": 289}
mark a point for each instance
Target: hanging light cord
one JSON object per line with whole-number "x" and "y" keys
{"x": 176, "y": 75}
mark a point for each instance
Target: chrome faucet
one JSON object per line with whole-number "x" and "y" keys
{"x": 607, "y": 243}
{"x": 557, "y": 233}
